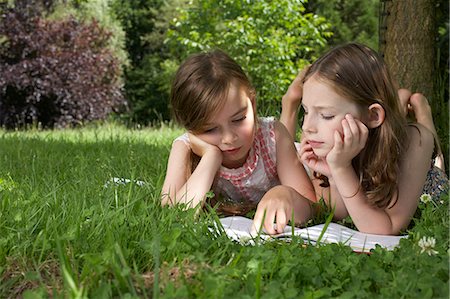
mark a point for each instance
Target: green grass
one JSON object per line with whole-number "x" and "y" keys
{"x": 63, "y": 234}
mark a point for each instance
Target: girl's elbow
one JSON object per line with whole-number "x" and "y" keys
{"x": 168, "y": 199}
{"x": 165, "y": 200}
{"x": 380, "y": 231}
{"x": 387, "y": 230}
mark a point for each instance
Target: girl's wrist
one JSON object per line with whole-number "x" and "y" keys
{"x": 341, "y": 170}
{"x": 348, "y": 183}
{"x": 289, "y": 105}
{"x": 340, "y": 167}
{"x": 215, "y": 155}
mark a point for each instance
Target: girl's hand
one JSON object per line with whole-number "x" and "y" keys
{"x": 277, "y": 207}
{"x": 294, "y": 94}
{"x": 349, "y": 145}
{"x": 404, "y": 95}
{"x": 290, "y": 103}
{"x": 200, "y": 147}
{"x": 313, "y": 162}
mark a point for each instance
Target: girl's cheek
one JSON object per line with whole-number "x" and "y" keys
{"x": 248, "y": 125}
{"x": 208, "y": 138}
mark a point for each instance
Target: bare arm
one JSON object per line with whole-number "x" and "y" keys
{"x": 413, "y": 170}
{"x": 294, "y": 196}
{"x": 417, "y": 104}
{"x": 280, "y": 203}
{"x": 290, "y": 103}
{"x": 182, "y": 186}
{"x": 290, "y": 169}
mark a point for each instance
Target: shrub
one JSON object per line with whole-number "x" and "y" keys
{"x": 147, "y": 81}
{"x": 271, "y": 40}
{"x": 55, "y": 72}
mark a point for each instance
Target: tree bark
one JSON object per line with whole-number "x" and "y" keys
{"x": 407, "y": 42}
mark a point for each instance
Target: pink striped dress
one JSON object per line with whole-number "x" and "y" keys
{"x": 247, "y": 184}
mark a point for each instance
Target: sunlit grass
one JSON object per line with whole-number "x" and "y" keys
{"x": 64, "y": 234}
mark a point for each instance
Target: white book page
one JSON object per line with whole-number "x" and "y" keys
{"x": 238, "y": 228}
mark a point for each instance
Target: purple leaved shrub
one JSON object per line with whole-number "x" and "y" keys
{"x": 57, "y": 73}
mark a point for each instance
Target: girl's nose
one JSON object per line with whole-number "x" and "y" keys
{"x": 228, "y": 136}
{"x": 308, "y": 125}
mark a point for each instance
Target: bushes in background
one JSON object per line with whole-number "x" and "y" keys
{"x": 147, "y": 78}
{"x": 55, "y": 72}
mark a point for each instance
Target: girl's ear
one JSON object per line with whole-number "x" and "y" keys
{"x": 376, "y": 116}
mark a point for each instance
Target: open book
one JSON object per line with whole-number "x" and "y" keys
{"x": 238, "y": 229}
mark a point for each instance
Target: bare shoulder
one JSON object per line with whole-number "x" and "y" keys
{"x": 420, "y": 137}
{"x": 178, "y": 169}
{"x": 180, "y": 154}
{"x": 414, "y": 166}
{"x": 180, "y": 145}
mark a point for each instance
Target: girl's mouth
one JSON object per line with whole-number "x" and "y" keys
{"x": 315, "y": 144}
{"x": 232, "y": 151}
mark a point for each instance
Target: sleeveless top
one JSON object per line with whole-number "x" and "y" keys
{"x": 239, "y": 190}
{"x": 436, "y": 183}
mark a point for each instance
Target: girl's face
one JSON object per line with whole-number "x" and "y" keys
{"x": 232, "y": 129}
{"x": 324, "y": 111}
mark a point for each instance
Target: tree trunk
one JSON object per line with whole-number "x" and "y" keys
{"x": 407, "y": 42}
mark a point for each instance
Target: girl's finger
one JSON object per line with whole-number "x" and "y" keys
{"x": 305, "y": 148}
{"x": 281, "y": 221}
{"x": 348, "y": 136}
{"x": 269, "y": 221}
{"x": 258, "y": 220}
{"x": 352, "y": 123}
{"x": 307, "y": 156}
{"x": 338, "y": 142}
{"x": 364, "y": 133}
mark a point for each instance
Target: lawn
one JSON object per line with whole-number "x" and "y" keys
{"x": 66, "y": 231}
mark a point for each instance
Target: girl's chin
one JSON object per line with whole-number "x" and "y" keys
{"x": 320, "y": 154}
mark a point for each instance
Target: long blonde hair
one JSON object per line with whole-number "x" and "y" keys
{"x": 359, "y": 74}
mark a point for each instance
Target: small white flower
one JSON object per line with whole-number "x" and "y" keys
{"x": 427, "y": 245}
{"x": 425, "y": 198}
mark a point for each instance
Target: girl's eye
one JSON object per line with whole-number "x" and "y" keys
{"x": 327, "y": 117}
{"x": 240, "y": 119}
{"x": 210, "y": 130}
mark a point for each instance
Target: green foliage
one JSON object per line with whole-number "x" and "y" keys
{"x": 146, "y": 83}
{"x": 65, "y": 233}
{"x": 271, "y": 40}
{"x": 102, "y": 12}
{"x": 351, "y": 20}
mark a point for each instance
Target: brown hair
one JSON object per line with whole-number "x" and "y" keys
{"x": 201, "y": 86}
{"x": 358, "y": 73}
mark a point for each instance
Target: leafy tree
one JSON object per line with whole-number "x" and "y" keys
{"x": 147, "y": 88}
{"x": 102, "y": 11}
{"x": 55, "y": 72}
{"x": 271, "y": 40}
{"x": 351, "y": 20}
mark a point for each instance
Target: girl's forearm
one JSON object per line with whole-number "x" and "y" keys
{"x": 193, "y": 192}
{"x": 366, "y": 218}
{"x": 288, "y": 117}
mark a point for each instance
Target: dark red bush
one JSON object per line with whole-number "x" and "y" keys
{"x": 57, "y": 73}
